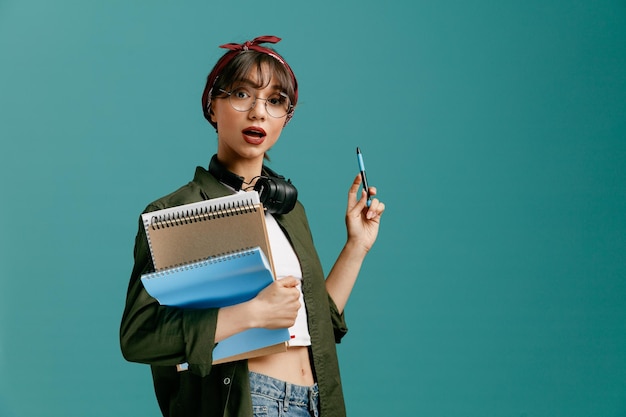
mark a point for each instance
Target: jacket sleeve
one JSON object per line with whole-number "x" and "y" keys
{"x": 161, "y": 335}
{"x": 338, "y": 319}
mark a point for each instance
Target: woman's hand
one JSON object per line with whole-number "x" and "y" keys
{"x": 362, "y": 222}
{"x": 276, "y": 306}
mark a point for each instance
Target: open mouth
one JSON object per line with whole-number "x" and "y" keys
{"x": 254, "y": 135}
{"x": 255, "y": 132}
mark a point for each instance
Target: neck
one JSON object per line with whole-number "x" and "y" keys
{"x": 248, "y": 168}
{"x": 236, "y": 175}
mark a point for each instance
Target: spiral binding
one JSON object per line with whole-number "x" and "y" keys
{"x": 202, "y": 214}
{"x": 201, "y": 263}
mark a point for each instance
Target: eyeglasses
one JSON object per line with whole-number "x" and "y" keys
{"x": 241, "y": 99}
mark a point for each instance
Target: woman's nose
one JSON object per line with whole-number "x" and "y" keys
{"x": 258, "y": 110}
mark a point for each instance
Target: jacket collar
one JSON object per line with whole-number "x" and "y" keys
{"x": 209, "y": 185}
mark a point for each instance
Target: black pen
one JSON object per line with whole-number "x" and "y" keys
{"x": 363, "y": 176}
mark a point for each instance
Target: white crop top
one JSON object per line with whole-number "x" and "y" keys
{"x": 286, "y": 263}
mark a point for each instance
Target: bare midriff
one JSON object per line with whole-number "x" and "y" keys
{"x": 292, "y": 366}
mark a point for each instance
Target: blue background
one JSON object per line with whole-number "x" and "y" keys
{"x": 495, "y": 132}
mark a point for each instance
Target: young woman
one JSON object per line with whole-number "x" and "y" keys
{"x": 250, "y": 96}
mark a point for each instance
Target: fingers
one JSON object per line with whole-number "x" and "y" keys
{"x": 279, "y": 303}
{"x": 288, "y": 282}
{"x": 353, "y": 204}
{"x": 375, "y": 210}
{"x": 354, "y": 188}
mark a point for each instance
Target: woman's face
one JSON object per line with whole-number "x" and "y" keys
{"x": 246, "y": 135}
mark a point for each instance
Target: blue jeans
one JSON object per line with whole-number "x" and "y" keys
{"x": 272, "y": 397}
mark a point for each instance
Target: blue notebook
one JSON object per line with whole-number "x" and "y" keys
{"x": 219, "y": 282}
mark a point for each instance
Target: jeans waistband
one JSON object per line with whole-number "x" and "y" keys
{"x": 281, "y": 390}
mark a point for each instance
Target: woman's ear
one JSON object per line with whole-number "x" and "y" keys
{"x": 212, "y": 114}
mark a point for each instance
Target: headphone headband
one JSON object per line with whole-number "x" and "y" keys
{"x": 278, "y": 195}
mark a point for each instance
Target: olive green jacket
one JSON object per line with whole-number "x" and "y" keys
{"x": 166, "y": 336}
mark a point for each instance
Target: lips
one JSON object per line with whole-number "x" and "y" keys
{"x": 254, "y": 135}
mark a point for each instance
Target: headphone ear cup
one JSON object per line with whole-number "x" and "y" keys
{"x": 263, "y": 187}
{"x": 277, "y": 195}
{"x": 286, "y": 196}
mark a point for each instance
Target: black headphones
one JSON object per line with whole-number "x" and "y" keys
{"x": 278, "y": 195}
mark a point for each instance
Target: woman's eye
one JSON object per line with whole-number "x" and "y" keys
{"x": 276, "y": 100}
{"x": 241, "y": 94}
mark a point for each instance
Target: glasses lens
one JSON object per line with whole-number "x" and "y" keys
{"x": 277, "y": 105}
{"x": 241, "y": 99}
